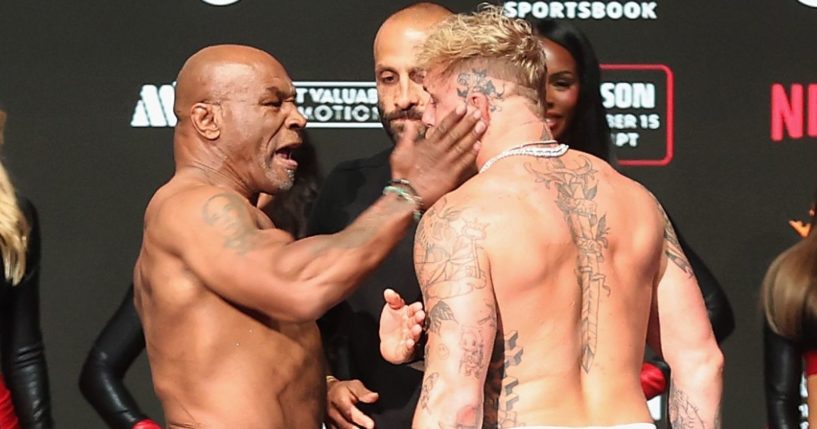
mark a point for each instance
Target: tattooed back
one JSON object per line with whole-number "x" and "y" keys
{"x": 214, "y": 362}
{"x": 538, "y": 277}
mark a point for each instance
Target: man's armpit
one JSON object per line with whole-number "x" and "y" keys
{"x": 227, "y": 214}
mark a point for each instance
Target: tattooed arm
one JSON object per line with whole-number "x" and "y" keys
{"x": 232, "y": 248}
{"x": 454, "y": 275}
{"x": 681, "y": 332}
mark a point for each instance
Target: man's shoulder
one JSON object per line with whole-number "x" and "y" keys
{"x": 180, "y": 204}
{"x": 469, "y": 202}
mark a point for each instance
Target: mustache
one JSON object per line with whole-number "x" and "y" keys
{"x": 412, "y": 114}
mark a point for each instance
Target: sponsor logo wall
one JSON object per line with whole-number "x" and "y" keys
{"x": 794, "y": 111}
{"x": 615, "y": 10}
{"x": 720, "y": 122}
{"x": 640, "y": 112}
{"x": 324, "y": 104}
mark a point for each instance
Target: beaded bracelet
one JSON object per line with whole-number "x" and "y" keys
{"x": 405, "y": 183}
{"x": 406, "y": 194}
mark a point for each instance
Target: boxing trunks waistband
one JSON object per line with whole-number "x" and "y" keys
{"x": 628, "y": 426}
{"x": 810, "y": 357}
{"x": 8, "y": 418}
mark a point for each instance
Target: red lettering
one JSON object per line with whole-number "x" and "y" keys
{"x": 788, "y": 112}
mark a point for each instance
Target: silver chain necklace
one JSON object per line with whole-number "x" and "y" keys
{"x": 526, "y": 150}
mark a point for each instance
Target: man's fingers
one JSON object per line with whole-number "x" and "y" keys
{"x": 455, "y": 127}
{"x": 363, "y": 394}
{"x": 449, "y": 120}
{"x": 339, "y": 420}
{"x": 360, "y": 390}
{"x": 415, "y": 307}
{"x": 360, "y": 419}
{"x": 393, "y": 298}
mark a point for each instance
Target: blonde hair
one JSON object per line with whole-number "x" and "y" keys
{"x": 506, "y": 47}
{"x": 789, "y": 293}
{"x": 14, "y": 227}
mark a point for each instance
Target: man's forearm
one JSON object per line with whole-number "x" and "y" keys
{"x": 336, "y": 263}
{"x": 458, "y": 407}
{"x": 695, "y": 395}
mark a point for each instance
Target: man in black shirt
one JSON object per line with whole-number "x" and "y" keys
{"x": 372, "y": 391}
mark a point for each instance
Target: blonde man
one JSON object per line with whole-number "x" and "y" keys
{"x": 543, "y": 275}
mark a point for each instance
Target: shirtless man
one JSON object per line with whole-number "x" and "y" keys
{"x": 544, "y": 274}
{"x": 227, "y": 301}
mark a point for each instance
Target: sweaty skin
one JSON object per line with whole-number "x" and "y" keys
{"x": 542, "y": 277}
{"x": 227, "y": 301}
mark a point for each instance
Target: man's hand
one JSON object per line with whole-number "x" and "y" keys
{"x": 341, "y": 399}
{"x": 400, "y": 327}
{"x": 443, "y": 159}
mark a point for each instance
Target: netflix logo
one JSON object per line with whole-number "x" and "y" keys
{"x": 794, "y": 111}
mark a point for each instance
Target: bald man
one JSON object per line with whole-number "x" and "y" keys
{"x": 227, "y": 301}
{"x": 371, "y": 392}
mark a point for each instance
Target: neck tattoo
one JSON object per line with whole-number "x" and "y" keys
{"x": 538, "y": 149}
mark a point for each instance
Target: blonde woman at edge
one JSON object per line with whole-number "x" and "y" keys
{"x": 24, "y": 398}
{"x": 790, "y": 335}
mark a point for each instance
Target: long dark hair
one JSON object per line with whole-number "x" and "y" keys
{"x": 789, "y": 292}
{"x": 588, "y": 131}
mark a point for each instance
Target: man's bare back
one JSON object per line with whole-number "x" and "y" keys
{"x": 544, "y": 275}
{"x": 571, "y": 250}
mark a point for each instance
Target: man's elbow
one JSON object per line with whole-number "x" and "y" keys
{"x": 703, "y": 365}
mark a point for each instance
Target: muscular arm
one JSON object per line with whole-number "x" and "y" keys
{"x": 118, "y": 345}
{"x": 782, "y": 369}
{"x": 454, "y": 275}
{"x": 216, "y": 234}
{"x": 23, "y": 361}
{"x": 681, "y": 332}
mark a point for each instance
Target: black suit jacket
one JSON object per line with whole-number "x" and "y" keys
{"x": 350, "y": 330}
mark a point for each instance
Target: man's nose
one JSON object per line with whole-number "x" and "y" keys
{"x": 408, "y": 95}
{"x": 428, "y": 116}
{"x": 296, "y": 120}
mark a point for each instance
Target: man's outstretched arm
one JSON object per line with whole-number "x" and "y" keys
{"x": 222, "y": 239}
{"x": 454, "y": 274}
{"x": 681, "y": 332}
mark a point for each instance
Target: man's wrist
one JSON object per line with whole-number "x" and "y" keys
{"x": 406, "y": 194}
{"x": 403, "y": 189}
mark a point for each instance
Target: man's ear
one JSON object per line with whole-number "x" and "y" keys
{"x": 205, "y": 118}
{"x": 482, "y": 103}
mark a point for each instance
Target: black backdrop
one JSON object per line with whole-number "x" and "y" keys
{"x": 72, "y": 75}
